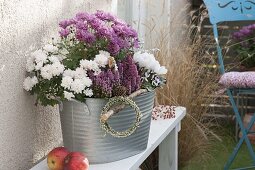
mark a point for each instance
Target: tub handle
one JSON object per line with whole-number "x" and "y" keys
{"x": 105, "y": 115}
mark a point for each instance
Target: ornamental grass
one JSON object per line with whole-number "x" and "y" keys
{"x": 190, "y": 83}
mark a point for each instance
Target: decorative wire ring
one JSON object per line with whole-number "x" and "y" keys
{"x": 124, "y": 100}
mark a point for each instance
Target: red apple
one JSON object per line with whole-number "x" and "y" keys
{"x": 76, "y": 161}
{"x": 56, "y": 157}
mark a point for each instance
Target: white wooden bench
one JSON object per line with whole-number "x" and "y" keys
{"x": 163, "y": 133}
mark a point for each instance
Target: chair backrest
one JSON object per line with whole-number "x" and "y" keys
{"x": 228, "y": 10}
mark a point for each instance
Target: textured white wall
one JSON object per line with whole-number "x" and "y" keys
{"x": 27, "y": 132}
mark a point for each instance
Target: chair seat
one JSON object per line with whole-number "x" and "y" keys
{"x": 238, "y": 79}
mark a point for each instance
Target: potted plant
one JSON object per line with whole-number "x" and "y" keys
{"x": 245, "y": 46}
{"x": 92, "y": 72}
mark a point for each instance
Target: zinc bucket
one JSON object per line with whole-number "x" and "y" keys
{"x": 82, "y": 131}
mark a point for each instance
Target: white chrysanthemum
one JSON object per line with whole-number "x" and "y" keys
{"x": 88, "y": 92}
{"x": 87, "y": 81}
{"x": 104, "y": 53}
{"x": 86, "y": 64}
{"x": 67, "y": 82}
{"x": 30, "y": 66}
{"x": 38, "y": 66}
{"x": 141, "y": 59}
{"x": 46, "y": 72}
{"x": 95, "y": 66}
{"x": 53, "y": 59}
{"x": 89, "y": 65}
{"x": 159, "y": 69}
{"x": 137, "y": 56}
{"x": 34, "y": 80}
{"x": 77, "y": 86}
{"x": 29, "y": 83}
{"x": 50, "y": 48}
{"x": 79, "y": 73}
{"x": 148, "y": 61}
{"x": 162, "y": 70}
{"x": 155, "y": 66}
{"x": 57, "y": 68}
{"x": 39, "y": 56}
{"x": 102, "y": 60}
{"x": 69, "y": 73}
{"x": 68, "y": 95}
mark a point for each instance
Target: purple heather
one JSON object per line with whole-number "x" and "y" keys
{"x": 129, "y": 76}
{"x": 127, "y": 84}
{"x": 104, "y": 82}
{"x": 120, "y": 69}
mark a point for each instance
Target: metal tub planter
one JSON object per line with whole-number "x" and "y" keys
{"x": 82, "y": 130}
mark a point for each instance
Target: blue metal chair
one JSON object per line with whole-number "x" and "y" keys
{"x": 233, "y": 10}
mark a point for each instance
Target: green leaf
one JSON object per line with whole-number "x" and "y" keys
{"x": 80, "y": 97}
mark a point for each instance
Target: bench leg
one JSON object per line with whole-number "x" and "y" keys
{"x": 168, "y": 151}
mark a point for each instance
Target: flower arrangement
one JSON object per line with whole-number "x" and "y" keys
{"x": 97, "y": 55}
{"x": 245, "y": 39}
